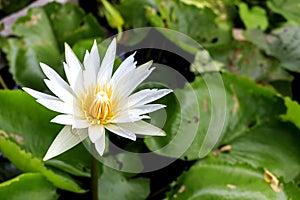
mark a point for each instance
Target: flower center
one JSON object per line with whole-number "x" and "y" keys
{"x": 101, "y": 109}
{"x": 96, "y": 104}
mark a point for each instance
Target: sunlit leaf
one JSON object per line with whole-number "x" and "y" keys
{"x": 33, "y": 186}
{"x": 293, "y": 112}
{"x": 253, "y": 18}
{"x": 112, "y": 15}
{"x": 30, "y": 128}
{"x": 27, "y": 163}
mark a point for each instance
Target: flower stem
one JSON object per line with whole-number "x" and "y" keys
{"x": 120, "y": 33}
{"x": 2, "y": 83}
{"x": 94, "y": 176}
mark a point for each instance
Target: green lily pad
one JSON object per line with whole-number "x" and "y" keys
{"x": 33, "y": 136}
{"x": 33, "y": 186}
{"x": 27, "y": 163}
{"x": 114, "y": 184}
{"x": 282, "y": 43}
{"x": 246, "y": 59}
{"x": 209, "y": 113}
{"x": 273, "y": 146}
{"x": 41, "y": 35}
{"x": 289, "y": 9}
{"x": 217, "y": 180}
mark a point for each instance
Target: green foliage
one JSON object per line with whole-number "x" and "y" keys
{"x": 204, "y": 27}
{"x": 138, "y": 17}
{"x": 28, "y": 186}
{"x": 113, "y": 184}
{"x": 242, "y": 112}
{"x": 25, "y": 162}
{"x": 25, "y": 143}
{"x": 282, "y": 43}
{"x": 175, "y": 15}
{"x": 217, "y": 180}
{"x": 112, "y": 15}
{"x": 10, "y": 6}
{"x": 240, "y": 137}
{"x": 253, "y": 18}
{"x": 30, "y": 133}
{"x": 273, "y": 146}
{"x": 246, "y": 59}
{"x": 289, "y": 9}
{"x": 293, "y": 112}
{"x": 41, "y": 35}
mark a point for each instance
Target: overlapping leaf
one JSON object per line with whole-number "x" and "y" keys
{"x": 217, "y": 180}
{"x": 289, "y": 9}
{"x": 282, "y": 43}
{"x": 273, "y": 146}
{"x": 244, "y": 58}
{"x": 40, "y": 38}
{"x": 246, "y": 106}
{"x": 115, "y": 184}
{"x": 204, "y": 24}
{"x": 32, "y": 186}
{"x": 27, "y": 134}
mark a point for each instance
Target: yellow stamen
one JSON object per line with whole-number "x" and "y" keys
{"x": 101, "y": 107}
{"x": 97, "y": 106}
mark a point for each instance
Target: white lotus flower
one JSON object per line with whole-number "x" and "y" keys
{"x": 95, "y": 100}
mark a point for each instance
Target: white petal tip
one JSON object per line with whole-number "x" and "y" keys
{"x": 161, "y": 133}
{"x": 27, "y": 90}
{"x": 147, "y": 65}
{"x": 133, "y": 54}
{"x": 133, "y": 138}
{"x": 50, "y": 154}
{"x": 65, "y": 140}
{"x": 100, "y": 145}
{"x": 43, "y": 65}
{"x": 47, "y": 157}
{"x": 67, "y": 46}
{"x": 101, "y": 153}
{"x": 168, "y": 91}
{"x": 143, "y": 117}
{"x": 95, "y": 44}
{"x": 158, "y": 133}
